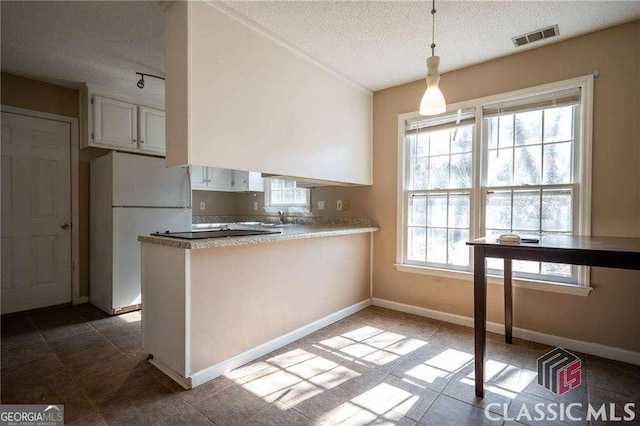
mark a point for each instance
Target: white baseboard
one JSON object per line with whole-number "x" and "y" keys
{"x": 597, "y": 349}
{"x": 216, "y": 370}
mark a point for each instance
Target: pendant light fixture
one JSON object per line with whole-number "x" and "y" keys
{"x": 433, "y": 102}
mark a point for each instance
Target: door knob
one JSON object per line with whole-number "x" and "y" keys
{"x": 64, "y": 225}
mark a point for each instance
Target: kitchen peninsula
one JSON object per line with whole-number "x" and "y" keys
{"x": 211, "y": 305}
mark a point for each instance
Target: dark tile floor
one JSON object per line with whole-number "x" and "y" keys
{"x": 375, "y": 367}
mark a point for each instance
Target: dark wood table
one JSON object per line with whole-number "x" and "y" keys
{"x": 607, "y": 252}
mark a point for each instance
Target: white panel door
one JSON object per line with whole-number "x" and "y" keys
{"x": 36, "y": 213}
{"x": 114, "y": 123}
{"x": 151, "y": 130}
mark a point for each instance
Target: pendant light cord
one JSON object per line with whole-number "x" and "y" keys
{"x": 433, "y": 28}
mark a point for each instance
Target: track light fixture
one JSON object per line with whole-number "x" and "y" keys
{"x": 140, "y": 82}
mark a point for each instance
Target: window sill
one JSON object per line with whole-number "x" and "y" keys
{"x": 497, "y": 280}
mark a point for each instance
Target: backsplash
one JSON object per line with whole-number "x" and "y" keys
{"x": 299, "y": 219}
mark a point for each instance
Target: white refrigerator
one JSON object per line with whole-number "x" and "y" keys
{"x": 130, "y": 195}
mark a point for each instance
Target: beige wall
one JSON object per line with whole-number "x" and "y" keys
{"x": 216, "y": 203}
{"x": 609, "y": 315}
{"x": 39, "y": 96}
{"x": 359, "y": 200}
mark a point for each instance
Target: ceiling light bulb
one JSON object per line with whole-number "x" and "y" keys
{"x": 141, "y": 83}
{"x": 433, "y": 102}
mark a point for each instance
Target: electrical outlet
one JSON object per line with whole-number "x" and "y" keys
{"x": 321, "y": 205}
{"x": 345, "y": 205}
{"x": 339, "y": 205}
{"x": 255, "y": 205}
{"x": 203, "y": 205}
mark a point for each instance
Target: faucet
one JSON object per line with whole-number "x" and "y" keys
{"x": 281, "y": 216}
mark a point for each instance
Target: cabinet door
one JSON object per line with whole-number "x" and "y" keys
{"x": 240, "y": 180}
{"x": 219, "y": 179}
{"x": 198, "y": 177}
{"x": 256, "y": 182}
{"x": 114, "y": 123}
{"x": 151, "y": 130}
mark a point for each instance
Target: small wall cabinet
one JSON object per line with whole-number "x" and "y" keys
{"x": 119, "y": 122}
{"x": 217, "y": 179}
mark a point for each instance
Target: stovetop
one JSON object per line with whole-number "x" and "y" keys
{"x": 220, "y": 233}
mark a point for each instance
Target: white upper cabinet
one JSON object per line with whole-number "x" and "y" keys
{"x": 217, "y": 179}
{"x": 114, "y": 123}
{"x": 258, "y": 103}
{"x": 151, "y": 134}
{"x": 119, "y": 122}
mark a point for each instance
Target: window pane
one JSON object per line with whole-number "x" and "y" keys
{"x": 526, "y": 266}
{"x": 493, "y": 263}
{"x": 528, "y": 128}
{"x": 458, "y": 250}
{"x": 556, "y": 210}
{"x": 416, "y": 244}
{"x": 498, "y": 210}
{"x": 557, "y": 163}
{"x": 527, "y": 165}
{"x": 436, "y": 245}
{"x": 422, "y": 145}
{"x": 276, "y": 197}
{"x": 560, "y": 269}
{"x": 418, "y": 210}
{"x": 276, "y": 183}
{"x": 462, "y": 140}
{"x": 500, "y": 168}
{"x": 301, "y": 196}
{"x": 526, "y": 210}
{"x": 437, "y": 210}
{"x": 289, "y": 184}
{"x": 501, "y": 127}
{"x": 439, "y": 142}
{"x": 421, "y": 173}
{"x": 439, "y": 172}
{"x": 558, "y": 124}
{"x": 459, "y": 211}
{"x": 288, "y": 196}
{"x": 460, "y": 171}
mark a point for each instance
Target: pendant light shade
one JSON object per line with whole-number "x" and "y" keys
{"x": 433, "y": 102}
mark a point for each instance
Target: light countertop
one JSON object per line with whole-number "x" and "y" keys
{"x": 295, "y": 232}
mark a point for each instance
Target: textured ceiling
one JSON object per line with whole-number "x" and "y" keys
{"x": 381, "y": 44}
{"x": 377, "y": 44}
{"x": 98, "y": 42}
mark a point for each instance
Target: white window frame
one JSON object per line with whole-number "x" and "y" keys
{"x": 582, "y": 170}
{"x": 287, "y": 208}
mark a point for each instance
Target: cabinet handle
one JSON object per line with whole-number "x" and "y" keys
{"x": 134, "y": 141}
{"x": 141, "y": 141}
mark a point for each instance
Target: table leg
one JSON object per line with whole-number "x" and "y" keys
{"x": 479, "y": 315}
{"x": 508, "y": 302}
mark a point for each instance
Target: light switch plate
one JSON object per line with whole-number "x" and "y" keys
{"x": 203, "y": 205}
{"x": 321, "y": 205}
{"x": 255, "y": 205}
{"x": 339, "y": 205}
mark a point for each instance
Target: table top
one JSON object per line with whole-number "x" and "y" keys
{"x": 569, "y": 242}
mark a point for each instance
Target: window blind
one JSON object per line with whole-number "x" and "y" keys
{"x": 550, "y": 100}
{"x": 442, "y": 122}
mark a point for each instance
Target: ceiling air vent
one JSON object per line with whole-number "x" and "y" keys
{"x": 538, "y": 35}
